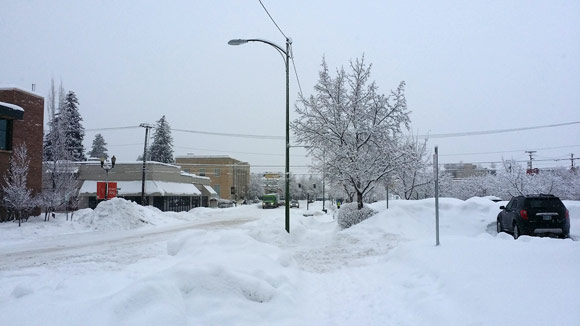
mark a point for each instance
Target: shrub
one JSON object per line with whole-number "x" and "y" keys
{"x": 349, "y": 214}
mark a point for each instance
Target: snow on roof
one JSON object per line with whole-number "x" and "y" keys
{"x": 18, "y": 88}
{"x": 193, "y": 175}
{"x": 151, "y": 188}
{"x": 210, "y": 190}
{"x": 202, "y": 156}
{"x": 11, "y": 106}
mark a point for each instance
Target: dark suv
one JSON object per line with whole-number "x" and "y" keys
{"x": 534, "y": 214}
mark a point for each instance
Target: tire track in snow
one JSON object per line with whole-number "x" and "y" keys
{"x": 81, "y": 245}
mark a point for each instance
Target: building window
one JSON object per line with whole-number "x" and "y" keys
{"x": 177, "y": 203}
{"x": 217, "y": 172}
{"x": 217, "y": 189}
{"x": 202, "y": 172}
{"x": 5, "y": 134}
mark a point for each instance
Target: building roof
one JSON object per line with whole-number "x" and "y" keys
{"x": 11, "y": 110}
{"x": 20, "y": 89}
{"x": 210, "y": 190}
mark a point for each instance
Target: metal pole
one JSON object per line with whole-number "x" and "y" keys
{"x": 143, "y": 175}
{"x": 106, "y": 184}
{"x": 387, "y": 188}
{"x": 323, "y": 179}
{"x": 287, "y": 172}
{"x": 436, "y": 167}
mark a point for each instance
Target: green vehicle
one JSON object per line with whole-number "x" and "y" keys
{"x": 270, "y": 201}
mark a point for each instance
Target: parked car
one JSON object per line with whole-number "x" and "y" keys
{"x": 294, "y": 203}
{"x": 225, "y": 203}
{"x": 534, "y": 214}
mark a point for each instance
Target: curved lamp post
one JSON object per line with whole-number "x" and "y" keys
{"x": 287, "y": 62}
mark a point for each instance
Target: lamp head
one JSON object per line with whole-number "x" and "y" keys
{"x": 237, "y": 41}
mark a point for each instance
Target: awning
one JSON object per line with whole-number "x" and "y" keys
{"x": 209, "y": 191}
{"x": 152, "y": 188}
{"x": 11, "y": 111}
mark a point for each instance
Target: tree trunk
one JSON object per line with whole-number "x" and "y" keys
{"x": 359, "y": 199}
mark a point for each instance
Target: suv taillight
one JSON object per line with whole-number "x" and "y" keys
{"x": 524, "y": 214}
{"x": 567, "y": 215}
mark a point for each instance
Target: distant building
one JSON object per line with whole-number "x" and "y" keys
{"x": 166, "y": 186}
{"x": 466, "y": 170}
{"x": 230, "y": 178}
{"x": 271, "y": 182}
{"x": 21, "y": 121}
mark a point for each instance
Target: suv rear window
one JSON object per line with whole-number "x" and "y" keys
{"x": 545, "y": 203}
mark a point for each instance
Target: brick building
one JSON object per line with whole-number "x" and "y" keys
{"x": 230, "y": 178}
{"x": 21, "y": 121}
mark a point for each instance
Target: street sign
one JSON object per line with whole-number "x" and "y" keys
{"x": 102, "y": 190}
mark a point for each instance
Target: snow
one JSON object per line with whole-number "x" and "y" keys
{"x": 12, "y": 106}
{"x": 123, "y": 264}
{"x": 210, "y": 190}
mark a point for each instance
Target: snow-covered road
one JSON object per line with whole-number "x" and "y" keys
{"x": 73, "y": 247}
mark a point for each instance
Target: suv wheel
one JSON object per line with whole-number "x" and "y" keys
{"x": 499, "y": 229}
{"x": 516, "y": 231}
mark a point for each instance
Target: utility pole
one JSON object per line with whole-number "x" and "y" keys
{"x": 572, "y": 159}
{"x": 436, "y": 172}
{"x": 531, "y": 159}
{"x": 147, "y": 127}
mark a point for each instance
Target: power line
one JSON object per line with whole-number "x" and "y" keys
{"x": 271, "y": 18}
{"x": 511, "y": 151}
{"x": 112, "y": 128}
{"x": 497, "y": 131}
{"x": 295, "y": 71}
{"x": 225, "y": 134}
{"x": 236, "y": 152}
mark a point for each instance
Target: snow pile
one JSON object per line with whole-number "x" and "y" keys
{"x": 349, "y": 215}
{"x": 224, "y": 278}
{"x": 117, "y": 214}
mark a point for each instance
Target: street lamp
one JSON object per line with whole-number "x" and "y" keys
{"x": 287, "y": 62}
{"x": 106, "y": 165}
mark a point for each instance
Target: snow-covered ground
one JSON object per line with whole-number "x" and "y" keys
{"x": 122, "y": 264}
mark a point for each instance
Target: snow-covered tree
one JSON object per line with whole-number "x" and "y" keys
{"x": 256, "y": 189}
{"x": 58, "y": 168}
{"x": 162, "y": 147}
{"x": 55, "y": 133}
{"x": 357, "y": 129}
{"x": 16, "y": 196}
{"x": 70, "y": 121}
{"x": 413, "y": 178}
{"x": 99, "y": 149}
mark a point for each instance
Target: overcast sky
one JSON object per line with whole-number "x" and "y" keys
{"x": 468, "y": 65}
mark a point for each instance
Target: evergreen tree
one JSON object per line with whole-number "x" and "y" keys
{"x": 162, "y": 147}
{"x": 69, "y": 120}
{"x": 99, "y": 149}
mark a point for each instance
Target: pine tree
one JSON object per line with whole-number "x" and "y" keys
{"x": 99, "y": 149}
{"x": 69, "y": 120}
{"x": 162, "y": 147}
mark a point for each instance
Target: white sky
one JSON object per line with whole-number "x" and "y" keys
{"x": 469, "y": 65}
